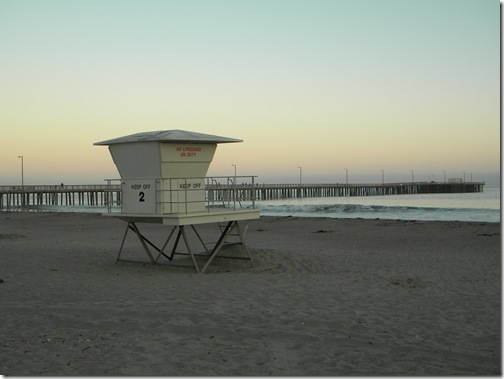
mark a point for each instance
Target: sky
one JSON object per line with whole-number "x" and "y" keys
{"x": 392, "y": 87}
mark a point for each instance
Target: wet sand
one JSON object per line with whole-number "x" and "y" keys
{"x": 325, "y": 297}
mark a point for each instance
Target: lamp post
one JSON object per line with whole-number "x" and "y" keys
{"x": 300, "y": 175}
{"x": 22, "y": 171}
{"x": 234, "y": 170}
{"x": 382, "y": 177}
{"x": 444, "y": 173}
{"x": 412, "y": 177}
{"x": 346, "y": 169}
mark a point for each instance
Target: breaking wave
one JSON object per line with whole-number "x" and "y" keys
{"x": 380, "y": 211}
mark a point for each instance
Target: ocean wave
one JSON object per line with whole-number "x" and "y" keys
{"x": 381, "y": 211}
{"x": 366, "y": 211}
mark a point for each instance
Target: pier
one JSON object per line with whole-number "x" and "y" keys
{"x": 286, "y": 191}
{"x": 29, "y": 197}
{"x": 16, "y": 197}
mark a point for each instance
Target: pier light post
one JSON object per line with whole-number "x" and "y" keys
{"x": 300, "y": 174}
{"x": 22, "y": 171}
{"x": 444, "y": 173}
{"x": 234, "y": 170}
{"x": 346, "y": 169}
{"x": 464, "y": 175}
{"x": 412, "y": 176}
{"x": 382, "y": 177}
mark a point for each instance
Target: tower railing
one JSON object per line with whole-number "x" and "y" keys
{"x": 182, "y": 195}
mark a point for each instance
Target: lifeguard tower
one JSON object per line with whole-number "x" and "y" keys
{"x": 163, "y": 181}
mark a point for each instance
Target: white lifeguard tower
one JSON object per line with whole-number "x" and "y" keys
{"x": 163, "y": 181}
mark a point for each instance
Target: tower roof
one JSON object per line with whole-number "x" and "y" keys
{"x": 175, "y": 135}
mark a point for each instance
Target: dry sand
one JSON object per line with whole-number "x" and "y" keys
{"x": 326, "y": 297}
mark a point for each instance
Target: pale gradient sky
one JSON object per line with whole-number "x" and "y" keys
{"x": 392, "y": 85}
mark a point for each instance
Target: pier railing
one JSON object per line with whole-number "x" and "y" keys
{"x": 55, "y": 188}
{"x": 229, "y": 191}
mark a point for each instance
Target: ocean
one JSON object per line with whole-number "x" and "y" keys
{"x": 482, "y": 207}
{"x": 475, "y": 207}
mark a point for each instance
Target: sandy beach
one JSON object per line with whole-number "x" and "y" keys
{"x": 325, "y": 297}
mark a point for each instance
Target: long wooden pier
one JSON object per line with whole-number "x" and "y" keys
{"x": 15, "y": 197}
{"x": 286, "y": 191}
{"x": 25, "y": 197}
